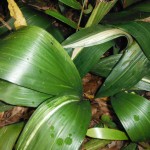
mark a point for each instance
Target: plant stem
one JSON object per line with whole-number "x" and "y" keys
{"x": 81, "y": 14}
{"x": 5, "y": 24}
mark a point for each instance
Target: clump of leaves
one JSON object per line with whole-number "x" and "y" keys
{"x": 36, "y": 71}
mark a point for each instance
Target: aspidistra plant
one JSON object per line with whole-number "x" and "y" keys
{"x": 126, "y": 70}
{"x": 35, "y": 65}
{"x": 36, "y": 71}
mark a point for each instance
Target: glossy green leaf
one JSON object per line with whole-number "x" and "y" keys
{"x": 100, "y": 10}
{"x": 131, "y": 146}
{"x": 93, "y": 36}
{"x": 129, "y": 70}
{"x": 134, "y": 113}
{"x": 105, "y": 65}
{"x": 136, "y": 12}
{"x": 144, "y": 84}
{"x": 89, "y": 56}
{"x": 5, "y": 107}
{"x": 60, "y": 123}
{"x": 40, "y": 19}
{"x": 17, "y": 95}
{"x": 144, "y": 6}
{"x": 33, "y": 59}
{"x": 106, "y": 133}
{"x": 35, "y": 17}
{"x": 95, "y": 144}
{"x": 72, "y": 3}
{"x": 141, "y": 32}
{"x": 124, "y": 16}
{"x": 62, "y": 18}
{"x": 9, "y": 135}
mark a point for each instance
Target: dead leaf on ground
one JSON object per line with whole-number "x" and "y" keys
{"x": 14, "y": 115}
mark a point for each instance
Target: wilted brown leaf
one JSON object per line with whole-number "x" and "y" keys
{"x": 14, "y": 115}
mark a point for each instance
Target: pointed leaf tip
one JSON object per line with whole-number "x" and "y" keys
{"x": 107, "y": 134}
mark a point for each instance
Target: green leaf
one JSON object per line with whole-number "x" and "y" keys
{"x": 143, "y": 6}
{"x": 144, "y": 84}
{"x": 100, "y": 10}
{"x": 17, "y": 95}
{"x": 106, "y": 133}
{"x": 33, "y": 59}
{"x": 60, "y": 123}
{"x": 9, "y": 134}
{"x": 124, "y": 16}
{"x": 105, "y": 65}
{"x": 93, "y": 36}
{"x": 88, "y": 10}
{"x": 141, "y": 32}
{"x": 40, "y": 19}
{"x": 95, "y": 144}
{"x": 131, "y": 68}
{"x": 72, "y": 3}
{"x": 37, "y": 18}
{"x": 132, "y": 146}
{"x": 5, "y": 107}
{"x": 136, "y": 12}
{"x": 62, "y": 18}
{"x": 89, "y": 56}
{"x": 134, "y": 113}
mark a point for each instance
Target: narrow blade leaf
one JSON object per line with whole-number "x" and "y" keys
{"x": 134, "y": 114}
{"x": 5, "y": 107}
{"x": 72, "y": 3}
{"x": 96, "y": 144}
{"x": 100, "y": 10}
{"x": 9, "y": 134}
{"x": 129, "y": 70}
{"x": 105, "y": 65}
{"x": 57, "y": 124}
{"x": 144, "y": 84}
{"x": 124, "y": 17}
{"x": 17, "y": 95}
{"x": 132, "y": 146}
{"x": 40, "y": 19}
{"x": 143, "y": 6}
{"x": 89, "y": 56}
{"x": 34, "y": 17}
{"x": 93, "y": 36}
{"x": 141, "y": 32}
{"x": 106, "y": 133}
{"x": 62, "y": 18}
